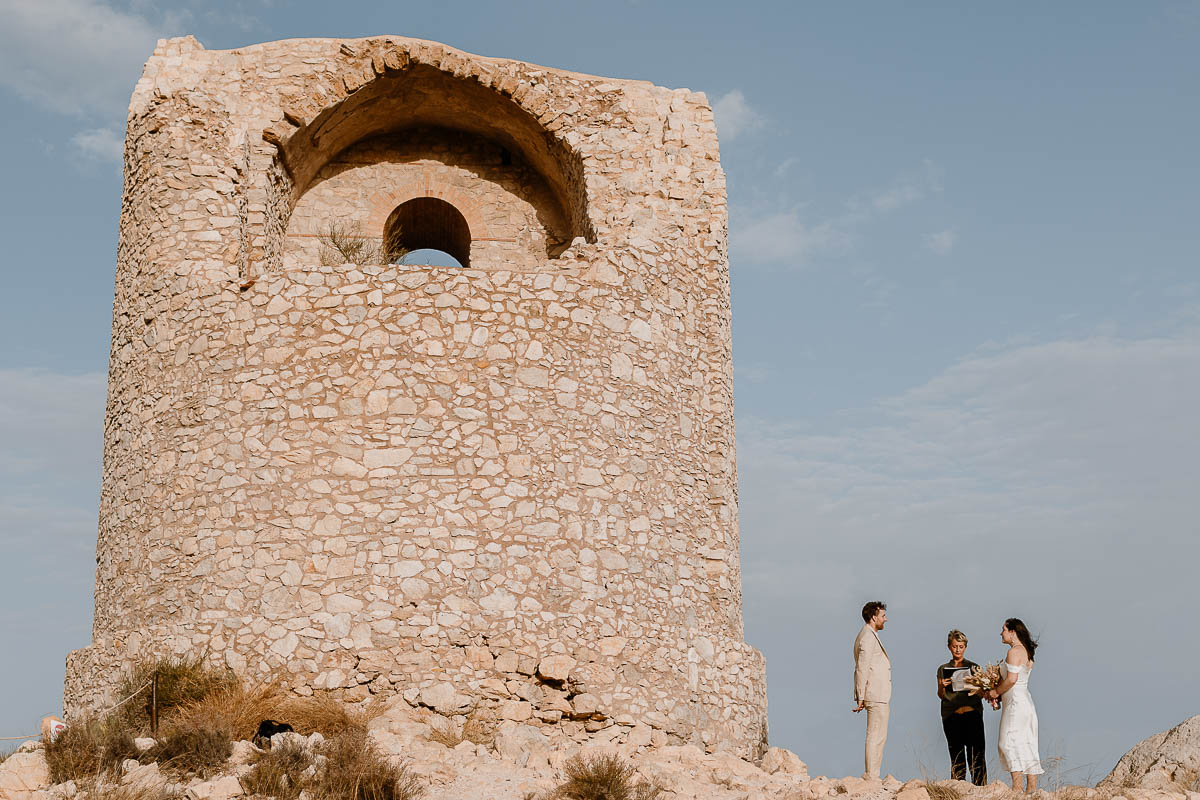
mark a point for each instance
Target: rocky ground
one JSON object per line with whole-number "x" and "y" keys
{"x": 521, "y": 763}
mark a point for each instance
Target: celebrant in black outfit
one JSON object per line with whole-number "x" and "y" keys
{"x": 962, "y": 714}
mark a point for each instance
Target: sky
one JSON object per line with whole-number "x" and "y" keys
{"x": 966, "y": 329}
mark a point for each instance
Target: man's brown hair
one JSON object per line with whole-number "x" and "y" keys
{"x": 872, "y": 608}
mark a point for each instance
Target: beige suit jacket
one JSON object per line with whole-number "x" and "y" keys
{"x": 872, "y": 668}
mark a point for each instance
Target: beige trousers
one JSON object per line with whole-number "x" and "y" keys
{"x": 877, "y": 721}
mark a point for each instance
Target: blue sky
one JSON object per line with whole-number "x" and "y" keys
{"x": 966, "y": 328}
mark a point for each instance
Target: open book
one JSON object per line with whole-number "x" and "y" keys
{"x": 957, "y": 678}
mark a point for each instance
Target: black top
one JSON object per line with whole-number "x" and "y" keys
{"x": 955, "y": 700}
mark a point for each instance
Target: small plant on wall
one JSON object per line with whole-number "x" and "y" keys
{"x": 346, "y": 244}
{"x": 393, "y": 249}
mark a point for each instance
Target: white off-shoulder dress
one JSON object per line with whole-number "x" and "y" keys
{"x": 1018, "y": 739}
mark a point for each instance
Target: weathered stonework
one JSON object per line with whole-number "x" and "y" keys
{"x": 509, "y": 487}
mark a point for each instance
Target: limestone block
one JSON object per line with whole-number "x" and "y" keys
{"x": 585, "y": 705}
{"x": 225, "y": 787}
{"x": 445, "y": 699}
{"x": 639, "y": 735}
{"x": 555, "y": 669}
{"x": 23, "y": 774}
{"x": 522, "y": 745}
{"x": 777, "y": 759}
{"x": 517, "y": 710}
{"x": 243, "y": 753}
{"x": 507, "y": 662}
{"x": 144, "y": 777}
{"x": 288, "y": 739}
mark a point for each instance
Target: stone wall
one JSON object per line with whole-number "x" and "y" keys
{"x": 510, "y": 487}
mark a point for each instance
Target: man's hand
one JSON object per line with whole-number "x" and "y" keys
{"x": 861, "y": 705}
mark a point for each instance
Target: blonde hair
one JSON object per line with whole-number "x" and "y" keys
{"x": 955, "y": 636}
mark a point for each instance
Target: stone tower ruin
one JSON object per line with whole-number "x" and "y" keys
{"x": 509, "y": 484}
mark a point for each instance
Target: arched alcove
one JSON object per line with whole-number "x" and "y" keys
{"x": 505, "y": 216}
{"x": 428, "y": 223}
{"x": 419, "y": 97}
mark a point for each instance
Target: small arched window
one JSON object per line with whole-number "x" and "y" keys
{"x": 427, "y": 223}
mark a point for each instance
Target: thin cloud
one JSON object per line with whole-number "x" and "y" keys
{"x": 907, "y": 189}
{"x": 51, "y": 433}
{"x": 941, "y": 242}
{"x": 50, "y": 424}
{"x": 734, "y": 116}
{"x": 1067, "y": 463}
{"x": 786, "y": 165}
{"x": 786, "y": 239}
{"x": 74, "y": 56}
{"x": 100, "y": 144}
{"x": 783, "y": 238}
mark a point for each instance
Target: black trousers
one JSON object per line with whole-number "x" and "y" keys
{"x": 964, "y": 737}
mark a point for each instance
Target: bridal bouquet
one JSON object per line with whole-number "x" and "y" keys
{"x": 983, "y": 679}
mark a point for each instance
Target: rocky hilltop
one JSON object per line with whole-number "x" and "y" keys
{"x": 1167, "y": 760}
{"x": 521, "y": 763}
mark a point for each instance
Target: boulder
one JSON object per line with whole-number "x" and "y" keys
{"x": 524, "y": 745}
{"x": 144, "y": 777}
{"x": 288, "y": 738}
{"x": 225, "y": 787}
{"x": 776, "y": 759}
{"x": 445, "y": 700}
{"x": 1168, "y": 761}
{"x": 555, "y": 669}
{"x": 24, "y": 774}
{"x": 243, "y": 752}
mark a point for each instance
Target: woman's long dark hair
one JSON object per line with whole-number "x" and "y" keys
{"x": 1023, "y": 635}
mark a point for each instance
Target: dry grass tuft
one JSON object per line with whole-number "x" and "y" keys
{"x": 279, "y": 772}
{"x": 324, "y": 714}
{"x": 235, "y": 707}
{"x": 1076, "y": 793}
{"x": 89, "y": 748}
{"x": 110, "y": 791}
{"x": 603, "y": 777}
{"x": 193, "y": 751}
{"x": 480, "y": 727}
{"x": 354, "y": 770}
{"x": 345, "y": 244}
{"x": 943, "y": 791}
{"x": 446, "y": 737}
{"x": 182, "y": 681}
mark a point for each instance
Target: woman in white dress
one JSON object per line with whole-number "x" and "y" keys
{"x": 1018, "y": 737}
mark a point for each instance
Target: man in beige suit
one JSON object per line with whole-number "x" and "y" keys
{"x": 873, "y": 683}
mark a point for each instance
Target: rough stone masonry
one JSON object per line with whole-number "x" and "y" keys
{"x": 508, "y": 486}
